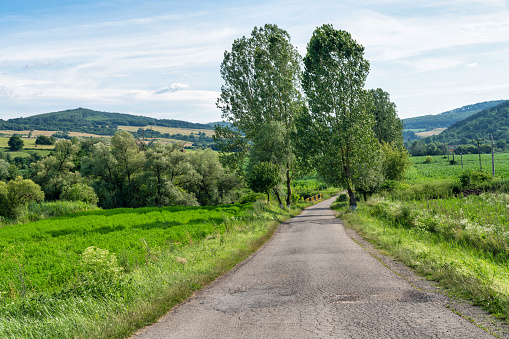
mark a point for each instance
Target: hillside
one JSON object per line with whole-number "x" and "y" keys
{"x": 90, "y": 121}
{"x": 494, "y": 120}
{"x": 446, "y": 119}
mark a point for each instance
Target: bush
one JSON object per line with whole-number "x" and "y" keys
{"x": 15, "y": 196}
{"x": 45, "y": 140}
{"x": 251, "y": 197}
{"x": 428, "y": 160}
{"x": 393, "y": 185}
{"x": 429, "y": 190}
{"x": 343, "y": 197}
{"x": 470, "y": 179}
{"x": 80, "y": 192}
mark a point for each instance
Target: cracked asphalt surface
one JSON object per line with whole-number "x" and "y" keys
{"x": 311, "y": 280}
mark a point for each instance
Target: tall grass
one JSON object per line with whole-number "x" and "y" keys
{"x": 101, "y": 292}
{"x": 461, "y": 242}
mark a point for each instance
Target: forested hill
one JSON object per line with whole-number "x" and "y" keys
{"x": 494, "y": 120}
{"x": 446, "y": 119}
{"x": 90, "y": 121}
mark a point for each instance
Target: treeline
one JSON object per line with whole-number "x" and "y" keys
{"x": 200, "y": 140}
{"x": 89, "y": 121}
{"x": 126, "y": 173}
{"x": 419, "y": 148}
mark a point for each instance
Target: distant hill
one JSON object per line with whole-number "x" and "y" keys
{"x": 494, "y": 120}
{"x": 446, "y": 119}
{"x": 90, "y": 121}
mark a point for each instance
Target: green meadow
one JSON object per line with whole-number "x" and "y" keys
{"x": 106, "y": 273}
{"x": 432, "y": 223}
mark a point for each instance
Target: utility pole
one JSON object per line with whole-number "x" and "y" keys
{"x": 479, "y": 151}
{"x": 492, "y": 157}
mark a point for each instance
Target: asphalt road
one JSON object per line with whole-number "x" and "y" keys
{"x": 312, "y": 281}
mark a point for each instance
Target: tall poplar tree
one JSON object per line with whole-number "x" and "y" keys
{"x": 262, "y": 78}
{"x": 340, "y": 118}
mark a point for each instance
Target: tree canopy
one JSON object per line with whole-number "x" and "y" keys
{"x": 262, "y": 82}
{"x": 340, "y": 119}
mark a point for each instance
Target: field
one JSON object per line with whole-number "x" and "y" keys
{"x": 441, "y": 168}
{"x": 169, "y": 130}
{"x": 460, "y": 241}
{"x": 36, "y": 133}
{"x": 29, "y": 145}
{"x": 104, "y": 274}
{"x": 49, "y": 250}
{"x": 425, "y": 134}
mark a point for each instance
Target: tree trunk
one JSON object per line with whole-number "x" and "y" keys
{"x": 353, "y": 202}
{"x": 288, "y": 186}
{"x": 278, "y": 198}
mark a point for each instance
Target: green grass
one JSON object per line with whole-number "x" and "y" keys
{"x": 460, "y": 242}
{"x": 441, "y": 168}
{"x": 155, "y": 259}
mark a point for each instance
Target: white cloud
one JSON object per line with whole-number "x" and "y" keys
{"x": 176, "y": 86}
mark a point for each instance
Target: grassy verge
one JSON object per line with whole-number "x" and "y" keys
{"x": 103, "y": 295}
{"x": 444, "y": 243}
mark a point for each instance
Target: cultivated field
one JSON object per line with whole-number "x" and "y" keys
{"x": 441, "y": 168}
{"x": 430, "y": 133}
{"x": 169, "y": 130}
{"x": 102, "y": 274}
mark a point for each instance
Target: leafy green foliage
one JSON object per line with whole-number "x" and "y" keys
{"x": 471, "y": 178}
{"x": 80, "y": 192}
{"x": 395, "y": 162}
{"x": 340, "y": 124}
{"x": 16, "y": 194}
{"x": 56, "y": 172}
{"x": 15, "y": 143}
{"x": 263, "y": 177}
{"x": 388, "y": 127}
{"x": 45, "y": 140}
{"x": 213, "y": 185}
{"x": 262, "y": 76}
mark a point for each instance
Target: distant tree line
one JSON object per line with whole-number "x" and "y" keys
{"x": 199, "y": 140}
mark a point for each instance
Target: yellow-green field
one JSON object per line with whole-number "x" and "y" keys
{"x": 36, "y": 133}
{"x": 430, "y": 133}
{"x": 169, "y": 130}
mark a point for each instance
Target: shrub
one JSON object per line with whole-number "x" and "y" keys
{"x": 429, "y": 190}
{"x": 474, "y": 178}
{"x": 15, "y": 196}
{"x": 80, "y": 192}
{"x": 45, "y": 140}
{"x": 428, "y": 160}
{"x": 343, "y": 197}
{"x": 251, "y": 197}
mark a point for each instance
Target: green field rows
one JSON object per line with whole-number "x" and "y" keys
{"x": 441, "y": 168}
{"x": 44, "y": 255}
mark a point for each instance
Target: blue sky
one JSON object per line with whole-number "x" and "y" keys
{"x": 162, "y": 58}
